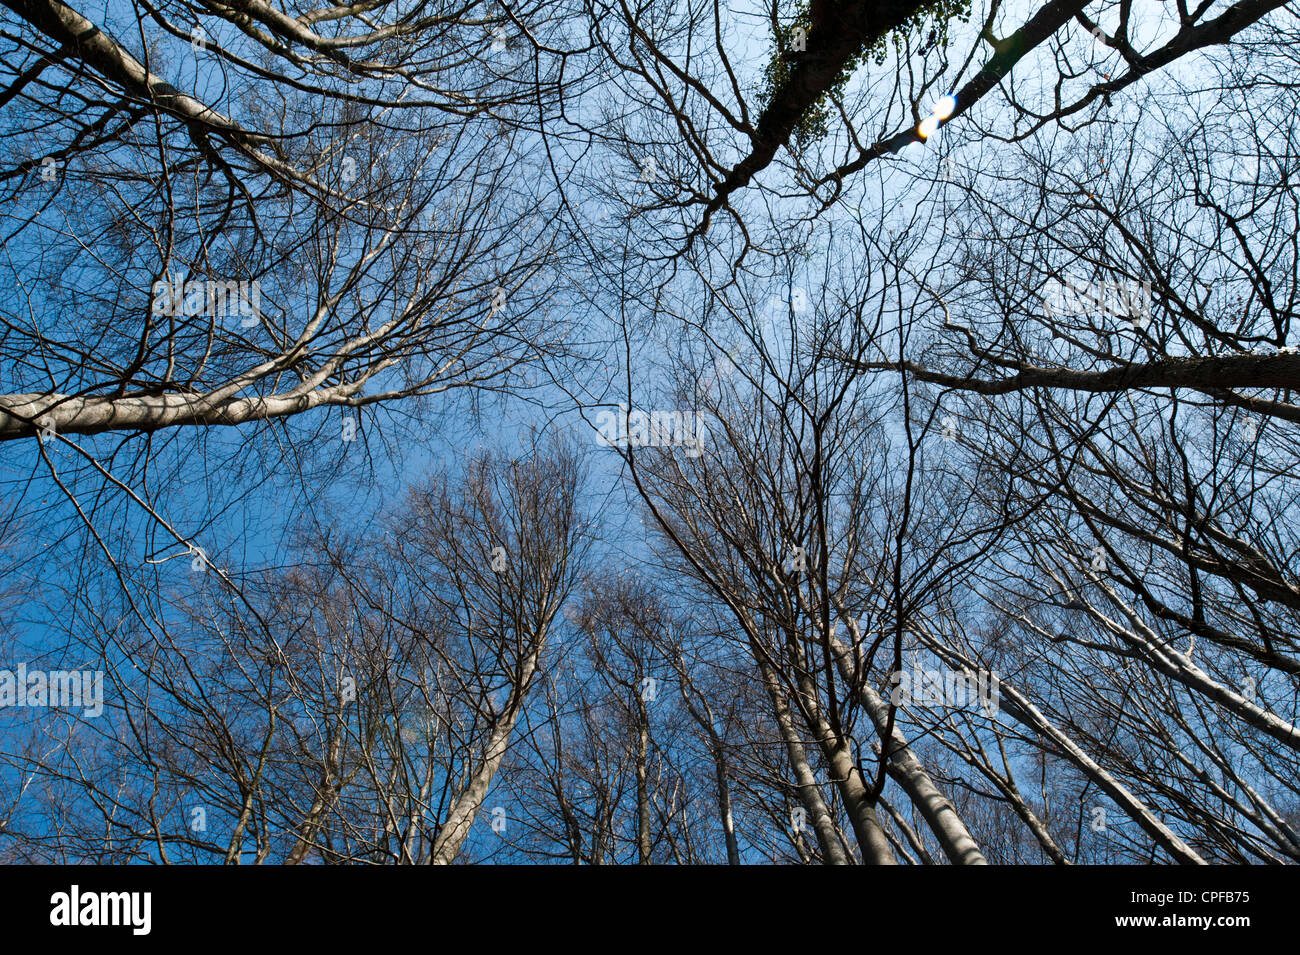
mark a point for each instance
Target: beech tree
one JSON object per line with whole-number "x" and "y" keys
{"x": 239, "y": 214}
{"x": 356, "y": 709}
{"x": 922, "y": 382}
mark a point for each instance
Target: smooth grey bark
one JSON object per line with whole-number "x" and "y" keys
{"x": 940, "y": 814}
{"x": 327, "y": 792}
{"x": 854, "y": 789}
{"x": 702, "y": 713}
{"x": 724, "y": 808}
{"x": 856, "y": 793}
{"x": 805, "y": 782}
{"x": 22, "y": 416}
{"x": 908, "y": 832}
{"x": 642, "y": 786}
{"x": 1030, "y": 716}
{"x": 454, "y": 831}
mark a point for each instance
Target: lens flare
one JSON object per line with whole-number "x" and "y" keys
{"x": 946, "y": 106}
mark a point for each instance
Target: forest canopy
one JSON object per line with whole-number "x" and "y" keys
{"x": 443, "y": 431}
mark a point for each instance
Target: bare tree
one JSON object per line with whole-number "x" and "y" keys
{"x": 359, "y": 710}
